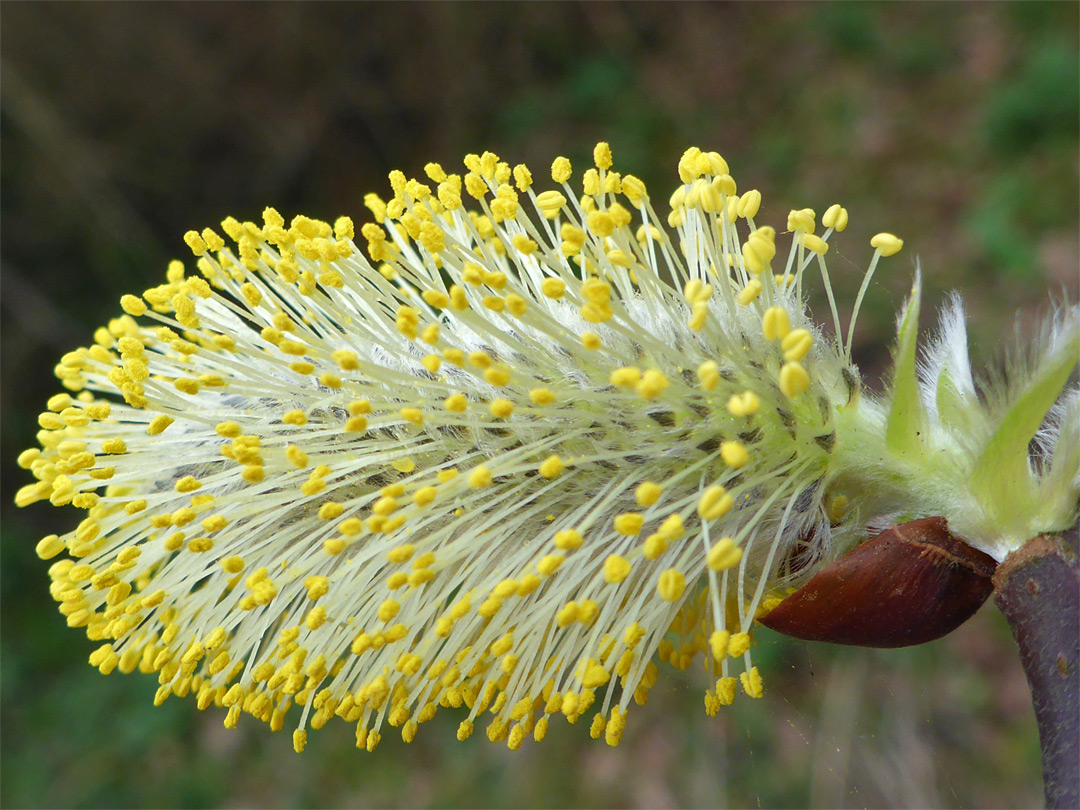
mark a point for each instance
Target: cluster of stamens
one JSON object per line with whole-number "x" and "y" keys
{"x": 503, "y": 461}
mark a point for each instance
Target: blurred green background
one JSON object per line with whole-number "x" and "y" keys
{"x": 123, "y": 125}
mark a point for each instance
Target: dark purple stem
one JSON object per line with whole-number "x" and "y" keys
{"x": 1038, "y": 590}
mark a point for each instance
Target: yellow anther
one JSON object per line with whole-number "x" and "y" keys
{"x": 214, "y": 523}
{"x": 671, "y": 585}
{"x": 652, "y": 384}
{"x": 553, "y": 287}
{"x": 524, "y": 244}
{"x": 435, "y": 172}
{"x": 775, "y": 323}
{"x": 187, "y": 484}
{"x": 725, "y": 691}
{"x": 797, "y": 344}
{"x": 793, "y": 379}
{"x": 815, "y": 244}
{"x": 497, "y": 375}
{"x": 887, "y": 244}
{"x": 561, "y": 170}
{"x": 195, "y": 242}
{"x": 723, "y": 555}
{"x": 228, "y": 430}
{"x": 600, "y": 222}
{"x": 413, "y": 415}
{"x": 654, "y": 546}
{"x": 233, "y": 564}
{"x": 200, "y": 544}
{"x": 625, "y": 377}
{"x": 114, "y": 446}
{"x": 751, "y": 683}
{"x": 718, "y": 644}
{"x": 801, "y": 220}
{"x": 724, "y": 184}
{"x": 456, "y": 403}
{"x": 299, "y": 740}
{"x": 480, "y": 359}
{"x": 133, "y": 305}
{"x": 388, "y": 610}
{"x": 48, "y": 547}
{"x": 744, "y": 404}
{"x": 616, "y": 569}
{"x": 567, "y": 615}
{"x": 602, "y": 155}
{"x": 750, "y": 293}
{"x": 522, "y": 177}
{"x": 696, "y": 292}
{"x": 672, "y": 527}
{"x": 315, "y": 618}
{"x": 436, "y": 298}
{"x": 715, "y": 502}
{"x": 835, "y": 217}
{"x": 708, "y": 374}
{"x": 568, "y": 539}
{"x": 296, "y": 417}
{"x": 331, "y": 510}
{"x": 297, "y": 457}
{"x": 501, "y": 408}
{"x": 480, "y": 477}
{"x": 749, "y": 203}
{"x": 738, "y": 645}
{"x": 634, "y": 189}
{"x": 549, "y": 564}
{"x": 551, "y": 467}
{"x": 734, "y": 454}
{"x": 629, "y": 523}
{"x": 550, "y": 203}
{"x": 591, "y": 341}
{"x": 541, "y": 397}
{"x": 385, "y": 506}
{"x": 647, "y": 493}
{"x": 158, "y": 424}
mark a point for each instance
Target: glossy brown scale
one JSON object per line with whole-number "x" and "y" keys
{"x": 910, "y": 584}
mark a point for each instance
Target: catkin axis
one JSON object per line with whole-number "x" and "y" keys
{"x": 912, "y": 583}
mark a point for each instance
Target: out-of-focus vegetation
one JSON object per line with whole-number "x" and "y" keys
{"x": 952, "y": 125}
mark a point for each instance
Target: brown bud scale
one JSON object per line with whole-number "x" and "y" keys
{"x": 913, "y": 583}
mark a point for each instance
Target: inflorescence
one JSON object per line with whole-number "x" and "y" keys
{"x": 522, "y": 448}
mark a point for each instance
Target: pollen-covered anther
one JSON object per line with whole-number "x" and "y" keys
{"x": 752, "y": 683}
{"x": 480, "y": 477}
{"x": 616, "y": 569}
{"x": 629, "y": 523}
{"x": 551, "y": 467}
{"x": 671, "y": 585}
{"x": 648, "y": 493}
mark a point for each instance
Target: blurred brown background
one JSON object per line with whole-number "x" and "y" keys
{"x": 123, "y": 125}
